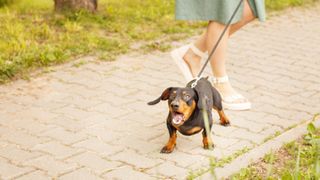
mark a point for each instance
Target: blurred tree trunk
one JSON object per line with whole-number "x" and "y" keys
{"x": 90, "y": 5}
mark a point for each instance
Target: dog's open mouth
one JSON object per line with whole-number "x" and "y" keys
{"x": 177, "y": 118}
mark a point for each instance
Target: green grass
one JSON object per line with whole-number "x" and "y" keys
{"x": 33, "y": 36}
{"x": 282, "y": 4}
{"x": 295, "y": 160}
{"x": 215, "y": 163}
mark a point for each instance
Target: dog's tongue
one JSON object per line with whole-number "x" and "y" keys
{"x": 177, "y": 118}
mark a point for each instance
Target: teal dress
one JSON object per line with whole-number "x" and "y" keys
{"x": 216, "y": 10}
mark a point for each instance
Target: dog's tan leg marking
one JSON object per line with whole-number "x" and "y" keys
{"x": 168, "y": 148}
{"x": 224, "y": 120}
{"x": 205, "y": 141}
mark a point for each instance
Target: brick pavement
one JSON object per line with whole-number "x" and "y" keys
{"x": 92, "y": 121}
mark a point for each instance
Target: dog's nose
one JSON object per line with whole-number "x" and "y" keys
{"x": 175, "y": 105}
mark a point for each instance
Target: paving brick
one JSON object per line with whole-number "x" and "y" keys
{"x": 240, "y": 145}
{"x": 11, "y": 108}
{"x": 101, "y": 132}
{"x": 37, "y": 127}
{"x": 222, "y": 130}
{"x": 94, "y": 162}
{"x": 72, "y": 112}
{"x": 141, "y": 146}
{"x": 247, "y": 135}
{"x": 6, "y": 130}
{"x": 272, "y": 109}
{"x": 3, "y": 144}
{"x": 146, "y": 120}
{"x": 114, "y": 101}
{"x": 275, "y": 101}
{"x": 82, "y": 102}
{"x": 216, "y": 152}
{"x": 297, "y": 116}
{"x": 68, "y": 123}
{"x": 138, "y": 105}
{"x": 80, "y": 174}
{"x": 277, "y": 121}
{"x": 50, "y": 102}
{"x": 223, "y": 142}
{"x": 304, "y": 108}
{"x": 34, "y": 113}
{"x": 23, "y": 139}
{"x": 82, "y": 90}
{"x": 169, "y": 170}
{"x": 9, "y": 171}
{"x": 126, "y": 172}
{"x": 186, "y": 143}
{"x": 136, "y": 160}
{"x": 184, "y": 160}
{"x": 271, "y": 131}
{"x": 64, "y": 136}
{"x": 58, "y": 150}
{"x": 35, "y": 175}
{"x": 18, "y": 122}
{"x": 250, "y": 125}
{"x": 98, "y": 146}
{"x": 53, "y": 167}
{"x": 16, "y": 154}
{"x": 107, "y": 108}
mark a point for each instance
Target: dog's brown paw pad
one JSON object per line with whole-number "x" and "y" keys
{"x": 166, "y": 150}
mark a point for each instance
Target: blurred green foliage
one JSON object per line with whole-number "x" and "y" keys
{"x": 281, "y": 4}
{"x": 6, "y": 2}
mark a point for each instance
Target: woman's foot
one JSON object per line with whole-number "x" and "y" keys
{"x": 193, "y": 61}
{"x": 188, "y": 59}
{"x": 231, "y": 99}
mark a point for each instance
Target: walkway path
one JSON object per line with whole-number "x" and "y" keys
{"x": 92, "y": 121}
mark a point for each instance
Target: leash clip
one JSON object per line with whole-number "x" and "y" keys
{"x": 194, "y": 84}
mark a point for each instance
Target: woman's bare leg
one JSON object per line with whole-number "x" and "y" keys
{"x": 218, "y": 60}
{"x": 192, "y": 59}
{"x": 247, "y": 17}
{"x": 201, "y": 43}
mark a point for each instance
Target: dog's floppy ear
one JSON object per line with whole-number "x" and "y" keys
{"x": 204, "y": 96}
{"x": 164, "y": 96}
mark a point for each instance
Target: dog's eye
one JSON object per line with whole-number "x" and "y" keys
{"x": 186, "y": 96}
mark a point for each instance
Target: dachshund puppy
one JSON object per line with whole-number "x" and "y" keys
{"x": 187, "y": 107}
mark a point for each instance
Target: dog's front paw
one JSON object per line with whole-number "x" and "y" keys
{"x": 167, "y": 149}
{"x": 225, "y": 123}
{"x": 207, "y": 146}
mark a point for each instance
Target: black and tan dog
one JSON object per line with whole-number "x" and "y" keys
{"x": 186, "y": 106}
